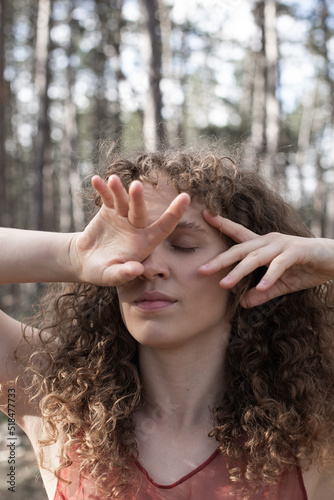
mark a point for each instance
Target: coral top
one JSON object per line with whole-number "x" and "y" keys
{"x": 208, "y": 481}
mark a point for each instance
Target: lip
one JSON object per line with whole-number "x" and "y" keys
{"x": 153, "y": 301}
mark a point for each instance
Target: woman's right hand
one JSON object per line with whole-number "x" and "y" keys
{"x": 110, "y": 250}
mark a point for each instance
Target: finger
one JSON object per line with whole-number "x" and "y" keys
{"x": 270, "y": 285}
{"x": 254, "y": 260}
{"x": 119, "y": 274}
{"x": 121, "y": 198}
{"x": 103, "y": 189}
{"x": 235, "y": 231}
{"x": 137, "y": 207}
{"x": 276, "y": 269}
{"x": 254, "y": 298}
{"x": 233, "y": 255}
{"x": 168, "y": 221}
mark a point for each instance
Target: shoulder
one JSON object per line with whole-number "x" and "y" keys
{"x": 15, "y": 350}
{"x": 318, "y": 483}
{"x": 50, "y": 458}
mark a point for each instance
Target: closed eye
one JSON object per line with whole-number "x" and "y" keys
{"x": 183, "y": 249}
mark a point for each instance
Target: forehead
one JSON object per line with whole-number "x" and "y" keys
{"x": 160, "y": 197}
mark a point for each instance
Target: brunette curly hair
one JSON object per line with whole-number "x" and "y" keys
{"x": 277, "y": 408}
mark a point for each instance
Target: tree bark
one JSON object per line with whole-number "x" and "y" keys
{"x": 320, "y": 202}
{"x": 68, "y": 146}
{"x": 116, "y": 42}
{"x": 41, "y": 82}
{"x": 271, "y": 102}
{"x": 304, "y": 136}
{"x": 108, "y": 111}
{"x": 329, "y": 206}
{"x": 154, "y": 129}
{"x": 3, "y": 159}
{"x": 265, "y": 122}
{"x": 258, "y": 106}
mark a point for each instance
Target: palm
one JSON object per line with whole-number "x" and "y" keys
{"x": 110, "y": 250}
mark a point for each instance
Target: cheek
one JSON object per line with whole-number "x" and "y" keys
{"x": 213, "y": 291}
{"x": 206, "y": 292}
{"x": 121, "y": 310}
{"x": 123, "y": 306}
{"x": 119, "y": 296}
{"x": 129, "y": 322}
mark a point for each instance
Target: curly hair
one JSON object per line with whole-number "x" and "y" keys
{"x": 277, "y": 408}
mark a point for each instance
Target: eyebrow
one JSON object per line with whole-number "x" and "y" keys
{"x": 190, "y": 225}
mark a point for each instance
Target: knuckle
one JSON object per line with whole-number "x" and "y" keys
{"x": 166, "y": 225}
{"x": 255, "y": 257}
{"x": 238, "y": 231}
{"x": 280, "y": 259}
{"x": 254, "y": 254}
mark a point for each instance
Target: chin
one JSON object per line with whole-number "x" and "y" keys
{"x": 155, "y": 339}
{"x": 155, "y": 342}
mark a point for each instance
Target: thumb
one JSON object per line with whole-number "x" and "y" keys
{"x": 119, "y": 274}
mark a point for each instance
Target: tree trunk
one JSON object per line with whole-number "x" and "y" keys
{"x": 154, "y": 129}
{"x": 304, "y": 136}
{"x": 41, "y": 83}
{"x": 271, "y": 102}
{"x": 258, "y": 112}
{"x": 108, "y": 110}
{"x": 3, "y": 177}
{"x": 320, "y": 202}
{"x": 63, "y": 197}
{"x": 258, "y": 106}
{"x": 329, "y": 214}
{"x": 71, "y": 213}
{"x": 265, "y": 123}
{"x": 114, "y": 39}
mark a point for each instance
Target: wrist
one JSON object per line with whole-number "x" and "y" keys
{"x": 34, "y": 256}
{"x": 74, "y": 265}
{"x": 55, "y": 264}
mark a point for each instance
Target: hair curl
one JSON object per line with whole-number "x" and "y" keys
{"x": 278, "y": 404}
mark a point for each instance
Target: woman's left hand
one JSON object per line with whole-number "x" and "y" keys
{"x": 294, "y": 263}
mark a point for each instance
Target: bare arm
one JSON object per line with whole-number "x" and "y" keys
{"x": 26, "y": 256}
{"x": 108, "y": 252}
{"x": 34, "y": 256}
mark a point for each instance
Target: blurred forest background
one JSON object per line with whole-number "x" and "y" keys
{"x": 148, "y": 73}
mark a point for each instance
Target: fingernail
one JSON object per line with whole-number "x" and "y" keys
{"x": 226, "y": 279}
{"x": 204, "y": 267}
{"x": 263, "y": 282}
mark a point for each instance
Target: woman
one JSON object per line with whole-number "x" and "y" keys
{"x": 189, "y": 353}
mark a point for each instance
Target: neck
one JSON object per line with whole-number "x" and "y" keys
{"x": 181, "y": 385}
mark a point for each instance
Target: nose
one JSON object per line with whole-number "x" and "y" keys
{"x": 156, "y": 264}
